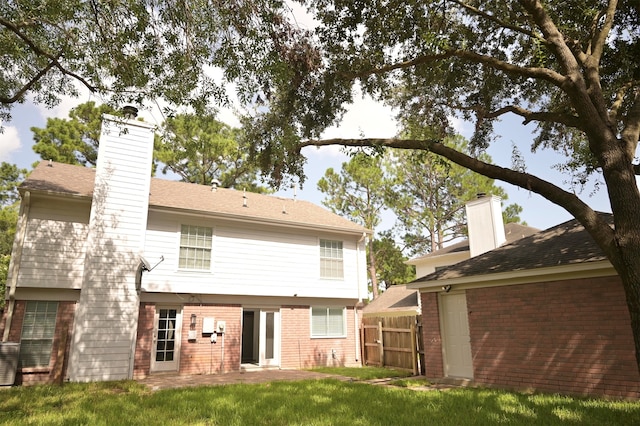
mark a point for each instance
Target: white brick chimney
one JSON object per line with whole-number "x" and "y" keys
{"x": 485, "y": 224}
{"x": 107, "y": 311}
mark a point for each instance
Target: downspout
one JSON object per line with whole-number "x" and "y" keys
{"x": 355, "y": 308}
{"x": 14, "y": 263}
{"x": 134, "y": 339}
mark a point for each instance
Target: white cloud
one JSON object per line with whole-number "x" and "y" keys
{"x": 9, "y": 142}
{"x": 461, "y": 126}
{"x": 365, "y": 118}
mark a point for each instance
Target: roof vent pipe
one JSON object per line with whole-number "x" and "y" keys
{"x": 130, "y": 112}
{"x": 215, "y": 184}
{"x": 244, "y": 198}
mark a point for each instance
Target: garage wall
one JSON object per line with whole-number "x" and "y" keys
{"x": 570, "y": 336}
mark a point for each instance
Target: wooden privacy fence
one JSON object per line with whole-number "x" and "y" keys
{"x": 393, "y": 342}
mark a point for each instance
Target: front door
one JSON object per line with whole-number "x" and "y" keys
{"x": 166, "y": 339}
{"x": 269, "y": 338}
{"x": 455, "y": 333}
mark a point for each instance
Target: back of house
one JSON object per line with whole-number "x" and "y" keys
{"x": 117, "y": 275}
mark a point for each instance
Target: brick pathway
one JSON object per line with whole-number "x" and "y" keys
{"x": 169, "y": 381}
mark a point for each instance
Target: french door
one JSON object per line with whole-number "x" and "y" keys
{"x": 166, "y": 339}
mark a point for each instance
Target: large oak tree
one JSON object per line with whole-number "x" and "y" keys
{"x": 569, "y": 67}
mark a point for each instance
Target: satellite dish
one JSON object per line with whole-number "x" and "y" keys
{"x": 145, "y": 264}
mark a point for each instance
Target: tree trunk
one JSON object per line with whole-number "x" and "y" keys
{"x": 631, "y": 281}
{"x": 372, "y": 269}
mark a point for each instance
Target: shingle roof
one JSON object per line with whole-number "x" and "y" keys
{"x": 564, "y": 244}
{"x": 397, "y": 298}
{"x": 78, "y": 181}
{"x": 512, "y": 232}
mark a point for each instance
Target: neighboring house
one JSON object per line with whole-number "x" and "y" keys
{"x": 116, "y": 275}
{"x": 486, "y": 232}
{"x": 546, "y": 312}
{"x": 396, "y": 301}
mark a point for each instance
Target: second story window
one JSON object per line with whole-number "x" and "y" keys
{"x": 331, "y": 265}
{"x": 195, "y": 247}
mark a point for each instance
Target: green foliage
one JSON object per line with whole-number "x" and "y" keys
{"x": 73, "y": 141}
{"x": 391, "y": 268}
{"x": 10, "y": 177}
{"x": 358, "y": 191}
{"x": 511, "y": 214}
{"x": 130, "y": 51}
{"x": 201, "y": 149}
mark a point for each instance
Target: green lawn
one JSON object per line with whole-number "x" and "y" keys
{"x": 309, "y": 402}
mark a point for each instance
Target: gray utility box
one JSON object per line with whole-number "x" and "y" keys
{"x": 9, "y": 353}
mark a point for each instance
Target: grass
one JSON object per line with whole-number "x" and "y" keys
{"x": 366, "y": 373}
{"x": 308, "y": 402}
{"x": 410, "y": 383}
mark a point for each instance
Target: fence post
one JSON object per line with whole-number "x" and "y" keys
{"x": 414, "y": 349}
{"x": 363, "y": 345}
{"x": 381, "y": 343}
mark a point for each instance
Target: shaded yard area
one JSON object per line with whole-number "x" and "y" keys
{"x": 307, "y": 402}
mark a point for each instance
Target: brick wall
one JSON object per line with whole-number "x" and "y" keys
{"x": 56, "y": 371}
{"x": 570, "y": 336}
{"x": 299, "y": 350}
{"x": 200, "y": 356}
{"x": 431, "y": 335}
{"x": 144, "y": 341}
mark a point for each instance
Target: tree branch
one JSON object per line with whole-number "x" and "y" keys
{"x": 499, "y": 22}
{"x": 631, "y": 132}
{"x": 619, "y": 99}
{"x": 536, "y": 73}
{"x": 554, "y": 37}
{"x": 600, "y": 37}
{"x": 596, "y": 226}
{"x": 53, "y": 59}
{"x": 20, "y": 93}
{"x": 528, "y": 115}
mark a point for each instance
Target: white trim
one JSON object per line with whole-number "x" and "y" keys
{"x": 344, "y": 322}
{"x": 211, "y": 252}
{"x": 528, "y": 276}
{"x": 320, "y": 257}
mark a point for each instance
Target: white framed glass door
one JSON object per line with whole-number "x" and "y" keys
{"x": 166, "y": 339}
{"x": 269, "y": 346}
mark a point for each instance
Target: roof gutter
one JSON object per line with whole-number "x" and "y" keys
{"x": 14, "y": 263}
{"x": 238, "y": 218}
{"x": 601, "y": 268}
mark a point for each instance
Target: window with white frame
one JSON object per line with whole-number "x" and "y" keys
{"x": 328, "y": 321}
{"x": 195, "y": 247}
{"x": 38, "y": 329}
{"x": 331, "y": 264}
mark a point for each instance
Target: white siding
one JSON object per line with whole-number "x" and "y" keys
{"x": 251, "y": 260}
{"x": 54, "y": 247}
{"x": 107, "y": 313}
